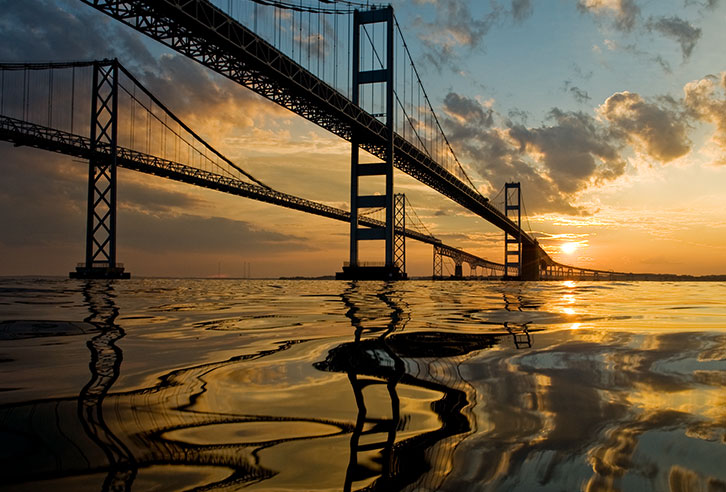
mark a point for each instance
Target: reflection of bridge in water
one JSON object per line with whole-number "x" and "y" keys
{"x": 173, "y": 430}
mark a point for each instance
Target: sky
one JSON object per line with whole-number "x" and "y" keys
{"x": 610, "y": 113}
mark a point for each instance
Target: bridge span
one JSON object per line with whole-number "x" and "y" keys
{"x": 204, "y": 32}
{"x": 403, "y": 136}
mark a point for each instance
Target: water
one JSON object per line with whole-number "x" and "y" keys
{"x": 163, "y": 385}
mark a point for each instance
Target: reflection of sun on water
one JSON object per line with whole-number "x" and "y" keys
{"x": 569, "y": 283}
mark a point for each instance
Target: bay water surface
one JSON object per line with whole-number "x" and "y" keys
{"x": 216, "y": 384}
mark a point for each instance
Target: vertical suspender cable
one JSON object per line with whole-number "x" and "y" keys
{"x": 292, "y": 40}
{"x": 25, "y": 94}
{"x": 50, "y": 98}
{"x": 349, "y": 43}
{"x": 133, "y": 116}
{"x": 148, "y": 127}
{"x": 73, "y": 95}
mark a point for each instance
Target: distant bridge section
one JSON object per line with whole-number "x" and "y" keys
{"x": 33, "y": 135}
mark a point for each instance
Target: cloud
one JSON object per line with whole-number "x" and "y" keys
{"x": 521, "y": 9}
{"x": 209, "y": 103}
{"x": 707, "y": 4}
{"x": 454, "y": 26}
{"x": 626, "y": 12}
{"x": 580, "y": 95}
{"x": 52, "y": 189}
{"x": 664, "y": 65}
{"x": 42, "y": 199}
{"x": 557, "y": 160}
{"x": 678, "y": 29}
{"x": 50, "y": 30}
{"x": 468, "y": 110}
{"x": 187, "y": 233}
{"x": 657, "y": 130}
{"x": 705, "y": 100}
{"x": 575, "y": 151}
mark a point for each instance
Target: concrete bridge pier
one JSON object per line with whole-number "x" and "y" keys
{"x": 532, "y": 261}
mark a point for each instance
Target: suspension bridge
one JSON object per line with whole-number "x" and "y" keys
{"x": 354, "y": 77}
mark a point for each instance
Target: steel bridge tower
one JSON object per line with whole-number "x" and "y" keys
{"x": 513, "y": 244}
{"x": 391, "y": 269}
{"x": 101, "y": 213}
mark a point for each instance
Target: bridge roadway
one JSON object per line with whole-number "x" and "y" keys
{"x": 203, "y": 32}
{"x": 23, "y": 133}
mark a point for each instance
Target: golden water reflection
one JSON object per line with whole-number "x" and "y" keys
{"x": 375, "y": 387}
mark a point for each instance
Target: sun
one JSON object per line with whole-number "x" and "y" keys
{"x": 569, "y": 248}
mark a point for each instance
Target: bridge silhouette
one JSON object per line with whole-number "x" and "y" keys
{"x": 383, "y": 110}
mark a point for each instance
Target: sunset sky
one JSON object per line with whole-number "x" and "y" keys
{"x": 611, "y": 113}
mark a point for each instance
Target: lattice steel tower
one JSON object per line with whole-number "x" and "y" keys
{"x": 101, "y": 213}
{"x": 513, "y": 244}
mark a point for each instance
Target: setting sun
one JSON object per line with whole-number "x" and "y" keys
{"x": 569, "y": 248}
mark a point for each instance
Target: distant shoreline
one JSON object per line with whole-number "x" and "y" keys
{"x": 645, "y": 277}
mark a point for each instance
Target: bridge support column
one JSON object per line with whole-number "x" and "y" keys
{"x": 354, "y": 269}
{"x": 531, "y": 262}
{"x": 100, "y": 259}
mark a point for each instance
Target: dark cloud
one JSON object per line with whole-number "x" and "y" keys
{"x": 580, "y": 95}
{"x": 679, "y": 30}
{"x": 557, "y": 160}
{"x": 659, "y": 130}
{"x": 71, "y": 31}
{"x": 44, "y": 30}
{"x": 455, "y": 26}
{"x": 521, "y": 9}
{"x": 155, "y": 199}
{"x": 708, "y": 4}
{"x": 663, "y": 64}
{"x": 186, "y": 233}
{"x": 575, "y": 150}
{"x": 625, "y": 12}
{"x": 468, "y": 110}
{"x": 43, "y": 196}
